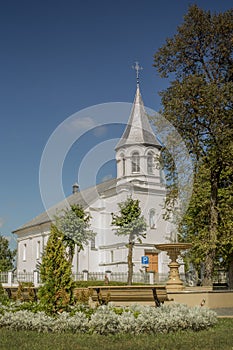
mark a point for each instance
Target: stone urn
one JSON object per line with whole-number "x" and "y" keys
{"x": 173, "y": 250}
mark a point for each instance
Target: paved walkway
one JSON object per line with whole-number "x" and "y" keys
{"x": 228, "y": 312}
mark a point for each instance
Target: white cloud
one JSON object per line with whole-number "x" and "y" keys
{"x": 84, "y": 123}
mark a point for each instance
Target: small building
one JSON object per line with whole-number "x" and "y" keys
{"x": 139, "y": 175}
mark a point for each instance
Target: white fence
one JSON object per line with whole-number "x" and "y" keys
{"x": 3, "y": 277}
{"x": 11, "y": 278}
{"x": 118, "y": 277}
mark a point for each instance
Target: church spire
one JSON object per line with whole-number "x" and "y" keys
{"x": 138, "y": 130}
{"x": 137, "y": 69}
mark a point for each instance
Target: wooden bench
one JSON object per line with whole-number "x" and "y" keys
{"x": 25, "y": 294}
{"x": 129, "y": 294}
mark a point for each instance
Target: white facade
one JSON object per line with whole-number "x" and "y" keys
{"x": 138, "y": 175}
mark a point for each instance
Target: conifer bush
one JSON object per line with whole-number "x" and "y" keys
{"x": 56, "y": 293}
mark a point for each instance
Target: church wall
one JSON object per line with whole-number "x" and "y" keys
{"x": 112, "y": 253}
{"x": 109, "y": 252}
{"x": 31, "y": 243}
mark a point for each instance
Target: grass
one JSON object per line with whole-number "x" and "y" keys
{"x": 219, "y": 337}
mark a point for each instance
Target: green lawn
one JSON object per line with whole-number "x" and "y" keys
{"x": 217, "y": 338}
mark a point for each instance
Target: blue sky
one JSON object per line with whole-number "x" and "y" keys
{"x": 59, "y": 57}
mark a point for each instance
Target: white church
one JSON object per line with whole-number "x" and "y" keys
{"x": 139, "y": 176}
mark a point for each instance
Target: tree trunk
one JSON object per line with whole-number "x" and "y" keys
{"x": 212, "y": 239}
{"x": 130, "y": 263}
{"x": 230, "y": 273}
{"x": 71, "y": 253}
{"x": 209, "y": 267}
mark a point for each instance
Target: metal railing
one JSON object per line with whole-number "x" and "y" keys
{"x": 23, "y": 277}
{"x": 113, "y": 276}
{"x": 12, "y": 277}
{"x": 15, "y": 278}
{"x": 3, "y": 277}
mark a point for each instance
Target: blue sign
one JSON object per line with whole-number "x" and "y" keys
{"x": 145, "y": 260}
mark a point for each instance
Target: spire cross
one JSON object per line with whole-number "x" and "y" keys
{"x": 137, "y": 68}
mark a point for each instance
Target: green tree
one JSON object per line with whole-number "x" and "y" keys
{"x": 198, "y": 102}
{"x": 130, "y": 223}
{"x": 56, "y": 292}
{"x": 75, "y": 226}
{"x": 7, "y": 255}
{"x": 195, "y": 224}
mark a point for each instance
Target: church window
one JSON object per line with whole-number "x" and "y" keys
{"x": 111, "y": 256}
{"x": 38, "y": 250}
{"x": 123, "y": 164}
{"x": 24, "y": 252}
{"x": 150, "y": 163}
{"x": 152, "y": 218}
{"x": 93, "y": 243}
{"x": 135, "y": 162}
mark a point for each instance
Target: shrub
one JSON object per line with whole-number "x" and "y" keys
{"x": 56, "y": 293}
{"x": 104, "y": 321}
{"x": 75, "y": 324}
{"x": 108, "y": 320}
{"x": 82, "y": 295}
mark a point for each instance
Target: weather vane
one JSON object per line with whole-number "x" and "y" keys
{"x": 137, "y": 68}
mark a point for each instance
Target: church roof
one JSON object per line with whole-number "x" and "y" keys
{"x": 83, "y": 198}
{"x": 138, "y": 129}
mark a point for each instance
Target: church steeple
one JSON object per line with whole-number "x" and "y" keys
{"x": 138, "y": 149}
{"x": 138, "y": 129}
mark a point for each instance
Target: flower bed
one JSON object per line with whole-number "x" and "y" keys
{"x": 109, "y": 320}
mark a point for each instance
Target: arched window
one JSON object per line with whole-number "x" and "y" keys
{"x": 123, "y": 164}
{"x": 135, "y": 162}
{"x": 38, "y": 250}
{"x": 152, "y": 223}
{"x": 150, "y": 163}
{"x": 24, "y": 252}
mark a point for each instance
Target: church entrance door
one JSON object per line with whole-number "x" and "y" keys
{"x": 153, "y": 261}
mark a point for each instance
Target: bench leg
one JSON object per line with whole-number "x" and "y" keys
{"x": 101, "y": 301}
{"x": 156, "y": 299}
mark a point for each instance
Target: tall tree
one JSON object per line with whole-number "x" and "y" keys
{"x": 130, "y": 223}
{"x": 56, "y": 292}
{"x": 75, "y": 226}
{"x": 199, "y": 61}
{"x": 6, "y": 255}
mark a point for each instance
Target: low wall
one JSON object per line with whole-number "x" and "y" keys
{"x": 209, "y": 298}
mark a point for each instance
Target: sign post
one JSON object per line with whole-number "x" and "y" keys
{"x": 145, "y": 264}
{"x": 145, "y": 261}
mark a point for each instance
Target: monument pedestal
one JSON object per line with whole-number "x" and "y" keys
{"x": 174, "y": 282}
